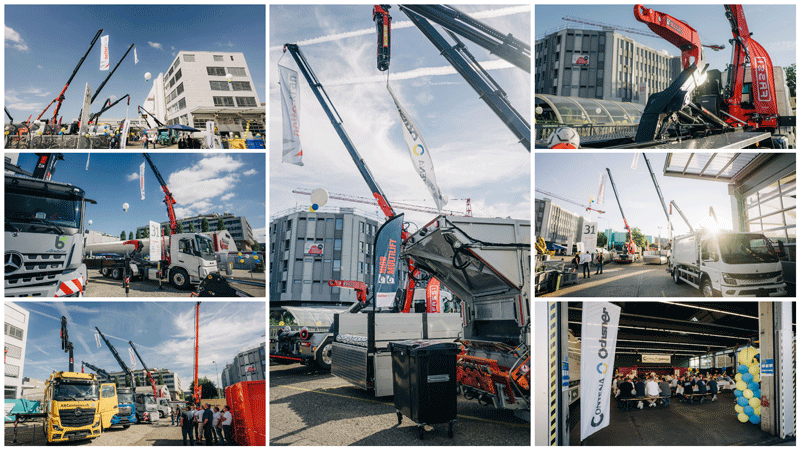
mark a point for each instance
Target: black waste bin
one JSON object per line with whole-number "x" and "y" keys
{"x": 425, "y": 384}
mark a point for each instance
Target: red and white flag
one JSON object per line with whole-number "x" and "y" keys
{"x": 104, "y": 60}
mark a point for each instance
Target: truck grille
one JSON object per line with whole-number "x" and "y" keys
{"x": 73, "y": 418}
{"x": 124, "y": 410}
{"x": 755, "y": 276}
{"x": 37, "y": 270}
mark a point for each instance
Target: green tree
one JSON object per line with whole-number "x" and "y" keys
{"x": 204, "y": 226}
{"x": 191, "y": 227}
{"x": 791, "y": 75}
{"x": 638, "y": 238}
{"x": 209, "y": 390}
{"x": 122, "y": 235}
{"x": 128, "y": 381}
{"x": 220, "y": 224}
{"x": 256, "y": 246}
{"x": 160, "y": 379}
{"x": 130, "y": 235}
{"x": 179, "y": 228}
{"x": 116, "y": 380}
{"x": 146, "y": 232}
{"x": 602, "y": 240}
{"x": 165, "y": 230}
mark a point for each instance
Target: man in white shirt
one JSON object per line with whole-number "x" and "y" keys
{"x": 198, "y": 419}
{"x": 227, "y": 425}
{"x": 586, "y": 258}
{"x": 652, "y": 391}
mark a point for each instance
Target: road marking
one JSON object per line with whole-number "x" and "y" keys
{"x": 580, "y": 287}
{"x": 520, "y": 425}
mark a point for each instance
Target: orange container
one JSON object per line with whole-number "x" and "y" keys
{"x": 247, "y": 400}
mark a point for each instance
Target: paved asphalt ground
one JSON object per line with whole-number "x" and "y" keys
{"x": 631, "y": 280}
{"x": 160, "y": 433}
{"x": 318, "y": 409}
{"x": 100, "y": 286}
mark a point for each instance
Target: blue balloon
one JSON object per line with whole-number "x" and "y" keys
{"x": 755, "y": 419}
{"x": 749, "y": 410}
{"x": 742, "y": 401}
{"x": 738, "y": 393}
{"x": 743, "y": 369}
{"x": 315, "y": 206}
{"x": 757, "y": 393}
{"x": 753, "y": 386}
{"x": 748, "y": 377}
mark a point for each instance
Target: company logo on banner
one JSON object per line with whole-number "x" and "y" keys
{"x": 290, "y": 102}
{"x": 133, "y": 359}
{"x": 313, "y": 249}
{"x": 141, "y": 179}
{"x": 598, "y": 344}
{"x": 665, "y": 359}
{"x": 387, "y": 250}
{"x": 97, "y": 338}
{"x": 104, "y": 53}
{"x": 433, "y": 296}
{"x": 580, "y": 59}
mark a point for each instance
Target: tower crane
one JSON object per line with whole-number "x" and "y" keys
{"x": 568, "y": 200}
{"x": 716, "y": 48}
{"x": 405, "y": 206}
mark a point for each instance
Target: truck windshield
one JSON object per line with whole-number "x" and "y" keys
{"x": 150, "y": 400}
{"x": 39, "y": 214}
{"x": 75, "y": 390}
{"x": 206, "y": 247}
{"x": 125, "y": 399}
{"x": 746, "y": 249}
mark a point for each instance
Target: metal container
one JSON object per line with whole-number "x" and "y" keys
{"x": 425, "y": 384}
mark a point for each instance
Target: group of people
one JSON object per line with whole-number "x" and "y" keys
{"x": 649, "y": 389}
{"x": 583, "y": 259}
{"x": 204, "y": 423}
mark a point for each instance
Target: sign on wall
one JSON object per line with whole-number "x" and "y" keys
{"x": 659, "y": 359}
{"x": 580, "y": 59}
{"x": 589, "y": 236}
{"x": 313, "y": 249}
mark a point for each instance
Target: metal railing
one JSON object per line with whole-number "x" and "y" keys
{"x": 543, "y": 131}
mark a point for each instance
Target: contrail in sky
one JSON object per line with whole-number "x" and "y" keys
{"x": 406, "y": 24}
{"x": 417, "y": 73}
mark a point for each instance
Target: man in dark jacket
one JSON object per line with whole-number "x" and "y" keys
{"x": 625, "y": 390}
{"x": 640, "y": 391}
{"x": 187, "y": 424}
{"x": 208, "y": 418}
{"x": 701, "y": 388}
{"x": 713, "y": 389}
{"x": 688, "y": 389}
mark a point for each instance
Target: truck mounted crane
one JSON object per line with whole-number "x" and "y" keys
{"x": 97, "y": 370}
{"x": 147, "y": 113}
{"x": 66, "y": 344}
{"x": 146, "y": 370}
{"x": 108, "y": 105}
{"x": 169, "y": 200}
{"x": 118, "y": 358}
{"x": 628, "y": 254}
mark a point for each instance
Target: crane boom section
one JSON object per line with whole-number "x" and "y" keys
{"x": 658, "y": 190}
{"x": 117, "y": 357}
{"x": 146, "y": 370}
{"x": 336, "y": 121}
{"x": 673, "y": 30}
{"x": 169, "y": 200}
{"x": 97, "y": 370}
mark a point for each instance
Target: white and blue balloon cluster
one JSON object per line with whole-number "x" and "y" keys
{"x": 748, "y": 389}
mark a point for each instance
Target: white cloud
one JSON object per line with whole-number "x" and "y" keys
{"x": 260, "y": 234}
{"x": 155, "y": 45}
{"x": 14, "y": 40}
{"x": 195, "y": 186}
{"x": 250, "y": 172}
{"x": 227, "y": 197}
{"x": 133, "y": 176}
{"x": 39, "y": 66}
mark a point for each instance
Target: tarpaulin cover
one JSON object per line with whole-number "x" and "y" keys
{"x": 237, "y": 143}
{"x": 255, "y": 143}
{"x": 247, "y": 400}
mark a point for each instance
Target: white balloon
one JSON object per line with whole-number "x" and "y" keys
{"x": 147, "y": 76}
{"x": 125, "y": 206}
{"x": 90, "y": 223}
{"x": 229, "y": 77}
{"x": 319, "y": 197}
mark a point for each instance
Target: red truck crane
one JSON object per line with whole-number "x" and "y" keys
{"x": 169, "y": 200}
{"x": 146, "y": 370}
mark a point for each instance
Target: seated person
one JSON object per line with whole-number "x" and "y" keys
{"x": 652, "y": 391}
{"x": 665, "y": 390}
{"x": 688, "y": 389}
{"x": 701, "y": 388}
{"x": 712, "y": 388}
{"x": 625, "y": 391}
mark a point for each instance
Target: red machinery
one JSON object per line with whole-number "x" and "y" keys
{"x": 359, "y": 286}
{"x": 673, "y": 30}
{"x": 197, "y": 391}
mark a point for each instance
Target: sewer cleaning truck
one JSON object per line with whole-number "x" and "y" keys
{"x": 727, "y": 264}
{"x": 44, "y": 225}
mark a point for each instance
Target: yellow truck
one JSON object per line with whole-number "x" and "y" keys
{"x": 77, "y": 406}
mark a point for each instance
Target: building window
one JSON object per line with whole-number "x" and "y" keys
{"x": 337, "y": 265}
{"x": 361, "y": 227}
{"x": 241, "y": 86}
{"x": 246, "y": 102}
{"x": 219, "y": 85}
{"x": 179, "y": 89}
{"x": 12, "y": 371}
{"x": 13, "y": 351}
{"x": 216, "y": 71}
{"x": 237, "y": 71}
{"x": 178, "y": 75}
{"x": 181, "y": 104}
{"x": 223, "y": 101}
{"x": 186, "y": 58}
{"x": 337, "y": 244}
{"x": 339, "y": 224}
{"x": 217, "y": 57}
{"x": 14, "y": 332}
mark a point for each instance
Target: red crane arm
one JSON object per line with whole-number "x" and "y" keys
{"x": 359, "y": 286}
{"x": 673, "y": 30}
{"x": 197, "y": 391}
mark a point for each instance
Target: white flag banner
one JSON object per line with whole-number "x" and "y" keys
{"x": 124, "y": 138}
{"x": 420, "y": 155}
{"x": 141, "y": 179}
{"x": 135, "y": 57}
{"x": 104, "y": 53}
{"x": 599, "y": 328}
{"x": 133, "y": 359}
{"x": 88, "y": 155}
{"x": 635, "y": 162}
{"x": 601, "y": 191}
{"x": 290, "y": 102}
{"x": 97, "y": 338}
{"x": 210, "y": 134}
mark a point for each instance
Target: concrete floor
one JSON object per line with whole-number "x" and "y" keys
{"x": 710, "y": 423}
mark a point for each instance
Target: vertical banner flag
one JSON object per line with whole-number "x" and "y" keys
{"x": 598, "y": 344}
{"x": 635, "y": 162}
{"x": 135, "y": 57}
{"x": 133, "y": 359}
{"x": 104, "y": 53}
{"x": 155, "y": 241}
{"x": 387, "y": 250}
{"x": 601, "y": 191}
{"x": 210, "y": 134}
{"x": 88, "y": 155}
{"x": 141, "y": 179}
{"x": 433, "y": 296}
{"x": 290, "y": 102}
{"x": 97, "y": 338}
{"x": 420, "y": 155}
{"x": 124, "y": 140}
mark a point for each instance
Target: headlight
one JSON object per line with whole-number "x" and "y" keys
{"x": 779, "y": 279}
{"x": 728, "y": 279}
{"x": 57, "y": 428}
{"x": 96, "y": 424}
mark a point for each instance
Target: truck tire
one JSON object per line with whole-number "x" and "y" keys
{"x": 179, "y": 278}
{"x": 116, "y": 273}
{"x": 105, "y": 271}
{"x": 707, "y": 289}
{"x": 676, "y": 276}
{"x": 323, "y": 357}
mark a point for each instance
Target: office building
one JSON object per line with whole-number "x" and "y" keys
{"x": 238, "y": 227}
{"x": 171, "y": 380}
{"x": 16, "y": 327}
{"x": 309, "y": 248}
{"x": 195, "y": 89}
{"x": 556, "y": 225}
{"x": 249, "y": 364}
{"x": 601, "y": 64}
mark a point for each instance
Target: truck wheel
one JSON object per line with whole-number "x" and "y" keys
{"x": 179, "y": 278}
{"x": 323, "y": 359}
{"x": 161, "y": 414}
{"x": 707, "y": 289}
{"x": 105, "y": 271}
{"x": 125, "y": 427}
{"x": 676, "y": 276}
{"x": 116, "y": 273}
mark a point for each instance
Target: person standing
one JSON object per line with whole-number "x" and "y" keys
{"x": 227, "y": 425}
{"x": 599, "y": 263}
{"x": 144, "y": 141}
{"x": 208, "y": 420}
{"x": 713, "y": 389}
{"x": 585, "y": 259}
{"x": 187, "y": 423}
{"x": 217, "y": 427}
{"x": 173, "y": 413}
{"x": 198, "y": 419}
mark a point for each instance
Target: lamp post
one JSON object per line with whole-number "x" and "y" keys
{"x": 217, "y": 371}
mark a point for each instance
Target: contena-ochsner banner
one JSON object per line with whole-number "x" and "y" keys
{"x": 598, "y": 344}
{"x": 387, "y": 253}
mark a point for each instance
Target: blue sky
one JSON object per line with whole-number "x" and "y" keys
{"x": 474, "y": 154}
{"x": 200, "y": 182}
{"x": 576, "y": 176}
{"x": 163, "y": 333}
{"x": 773, "y": 26}
{"x": 43, "y": 44}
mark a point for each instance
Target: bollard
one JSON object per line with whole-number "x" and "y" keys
{"x": 16, "y": 421}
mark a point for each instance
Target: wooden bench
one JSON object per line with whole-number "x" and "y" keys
{"x": 626, "y": 402}
{"x": 702, "y": 396}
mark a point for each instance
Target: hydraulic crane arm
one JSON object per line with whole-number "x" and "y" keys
{"x": 146, "y": 370}
{"x": 658, "y": 191}
{"x": 169, "y": 200}
{"x": 158, "y": 122}
{"x": 336, "y": 121}
{"x": 671, "y": 204}
{"x": 673, "y": 30}
{"x": 100, "y": 88}
{"x": 625, "y": 221}
{"x": 110, "y": 105}
{"x": 118, "y": 358}
{"x": 472, "y": 72}
{"x": 198, "y": 392}
{"x": 97, "y": 370}
{"x": 66, "y": 344}
{"x": 383, "y": 23}
{"x": 359, "y": 286}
